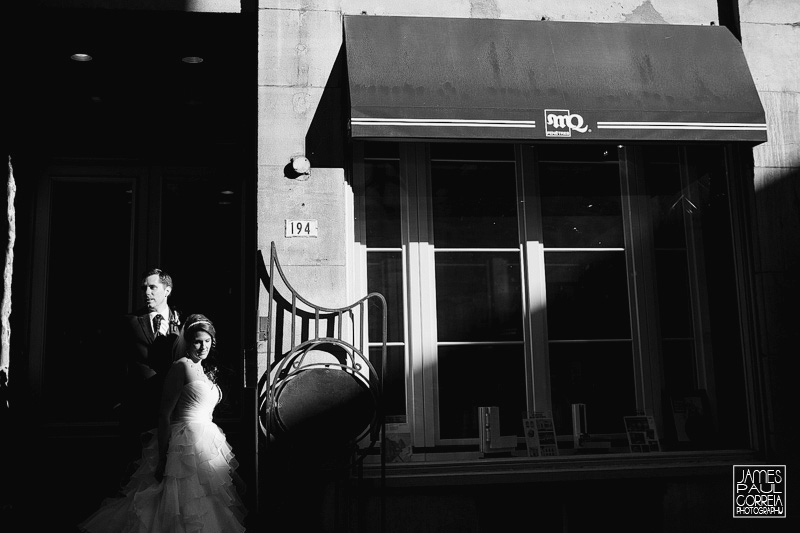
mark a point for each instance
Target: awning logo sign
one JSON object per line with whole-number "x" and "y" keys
{"x": 759, "y": 491}
{"x": 561, "y": 123}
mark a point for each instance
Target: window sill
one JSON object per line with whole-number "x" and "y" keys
{"x": 561, "y": 468}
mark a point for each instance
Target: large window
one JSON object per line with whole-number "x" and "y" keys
{"x": 533, "y": 278}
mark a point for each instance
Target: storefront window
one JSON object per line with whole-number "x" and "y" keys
{"x": 382, "y": 208}
{"x": 631, "y": 250}
{"x": 590, "y": 349}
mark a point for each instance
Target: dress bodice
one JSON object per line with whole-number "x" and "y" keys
{"x": 196, "y": 402}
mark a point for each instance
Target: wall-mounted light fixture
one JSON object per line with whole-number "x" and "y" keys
{"x": 299, "y": 167}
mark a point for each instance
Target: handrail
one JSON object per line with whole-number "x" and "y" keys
{"x": 295, "y": 357}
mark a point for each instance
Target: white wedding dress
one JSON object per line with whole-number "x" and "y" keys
{"x": 197, "y": 493}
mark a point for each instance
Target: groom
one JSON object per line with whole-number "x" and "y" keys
{"x": 148, "y": 339}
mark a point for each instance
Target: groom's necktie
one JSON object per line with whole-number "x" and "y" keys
{"x": 157, "y": 324}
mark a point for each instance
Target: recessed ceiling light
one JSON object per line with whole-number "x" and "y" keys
{"x": 80, "y": 57}
{"x": 226, "y": 192}
{"x": 192, "y": 59}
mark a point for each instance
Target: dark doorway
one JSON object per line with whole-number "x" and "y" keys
{"x": 142, "y": 156}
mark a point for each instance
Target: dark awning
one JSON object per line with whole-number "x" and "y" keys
{"x": 415, "y": 77}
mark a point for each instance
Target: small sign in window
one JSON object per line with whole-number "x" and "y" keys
{"x": 301, "y": 228}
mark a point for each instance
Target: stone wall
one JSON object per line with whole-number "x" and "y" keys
{"x": 771, "y": 41}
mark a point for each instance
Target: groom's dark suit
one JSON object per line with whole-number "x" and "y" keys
{"x": 148, "y": 358}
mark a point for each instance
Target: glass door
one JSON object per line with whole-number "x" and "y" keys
{"x": 86, "y": 258}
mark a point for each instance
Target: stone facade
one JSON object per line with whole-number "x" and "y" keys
{"x": 298, "y": 45}
{"x": 771, "y": 38}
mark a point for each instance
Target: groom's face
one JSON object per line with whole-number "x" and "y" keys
{"x": 155, "y": 293}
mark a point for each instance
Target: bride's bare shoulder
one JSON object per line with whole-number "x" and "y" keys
{"x": 180, "y": 367}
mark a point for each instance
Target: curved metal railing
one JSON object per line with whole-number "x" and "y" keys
{"x": 349, "y": 354}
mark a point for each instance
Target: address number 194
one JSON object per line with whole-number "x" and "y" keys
{"x": 301, "y": 228}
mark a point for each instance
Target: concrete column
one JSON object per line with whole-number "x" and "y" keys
{"x": 771, "y": 39}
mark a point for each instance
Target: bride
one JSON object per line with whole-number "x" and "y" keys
{"x": 184, "y": 482}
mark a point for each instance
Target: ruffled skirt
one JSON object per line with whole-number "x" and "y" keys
{"x": 197, "y": 493}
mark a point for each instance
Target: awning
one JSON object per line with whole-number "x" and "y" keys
{"x": 416, "y": 77}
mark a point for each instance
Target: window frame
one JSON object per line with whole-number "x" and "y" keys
{"x": 43, "y": 262}
{"x": 414, "y": 166}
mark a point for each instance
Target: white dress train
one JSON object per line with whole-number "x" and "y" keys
{"x": 197, "y": 493}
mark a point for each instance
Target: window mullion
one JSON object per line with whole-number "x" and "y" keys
{"x": 418, "y": 255}
{"x": 704, "y": 362}
{"x": 645, "y": 330}
{"x": 537, "y": 360}
{"x": 430, "y": 353}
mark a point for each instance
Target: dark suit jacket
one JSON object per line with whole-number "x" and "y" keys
{"x": 147, "y": 359}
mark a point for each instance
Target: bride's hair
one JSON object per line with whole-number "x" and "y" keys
{"x": 191, "y": 325}
{"x": 198, "y": 322}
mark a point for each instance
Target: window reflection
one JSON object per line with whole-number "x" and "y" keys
{"x": 382, "y": 203}
{"x": 598, "y": 374}
{"x": 478, "y": 376}
{"x": 478, "y": 296}
{"x": 581, "y": 205}
{"x": 394, "y": 382}
{"x": 587, "y": 295}
{"x": 385, "y": 275}
{"x": 640, "y": 292}
{"x": 474, "y": 204}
